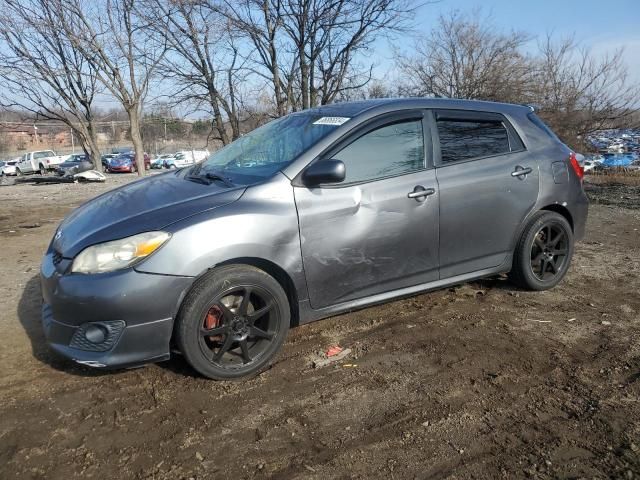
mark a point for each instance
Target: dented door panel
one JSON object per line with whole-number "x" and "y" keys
{"x": 369, "y": 238}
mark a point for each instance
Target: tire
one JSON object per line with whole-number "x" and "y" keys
{"x": 18, "y": 172}
{"x": 543, "y": 253}
{"x": 243, "y": 310}
{"x": 42, "y": 170}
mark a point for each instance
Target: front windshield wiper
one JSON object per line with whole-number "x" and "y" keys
{"x": 208, "y": 178}
{"x": 215, "y": 176}
{"x": 198, "y": 179}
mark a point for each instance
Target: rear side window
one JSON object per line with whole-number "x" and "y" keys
{"x": 391, "y": 150}
{"x": 43, "y": 154}
{"x": 467, "y": 139}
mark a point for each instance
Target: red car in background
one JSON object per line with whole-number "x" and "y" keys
{"x": 125, "y": 162}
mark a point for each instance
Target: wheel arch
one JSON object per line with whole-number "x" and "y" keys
{"x": 562, "y": 210}
{"x": 552, "y": 207}
{"x": 281, "y": 276}
{"x": 267, "y": 266}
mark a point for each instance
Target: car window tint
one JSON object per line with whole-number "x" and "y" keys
{"x": 464, "y": 140}
{"x": 390, "y": 150}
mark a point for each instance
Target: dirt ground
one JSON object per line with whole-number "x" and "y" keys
{"x": 477, "y": 381}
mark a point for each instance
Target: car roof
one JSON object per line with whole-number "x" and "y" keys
{"x": 354, "y": 109}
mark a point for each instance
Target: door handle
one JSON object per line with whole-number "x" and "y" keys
{"x": 520, "y": 171}
{"x": 419, "y": 192}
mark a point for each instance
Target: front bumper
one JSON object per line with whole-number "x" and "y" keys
{"x": 121, "y": 169}
{"x": 135, "y": 311}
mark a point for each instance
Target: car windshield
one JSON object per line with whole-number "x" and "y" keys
{"x": 262, "y": 152}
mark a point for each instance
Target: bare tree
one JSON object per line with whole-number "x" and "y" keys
{"x": 578, "y": 92}
{"x": 466, "y": 56}
{"x": 116, "y": 39}
{"x": 308, "y": 49}
{"x": 203, "y": 60}
{"x": 260, "y": 22}
{"x": 339, "y": 33}
{"x": 42, "y": 74}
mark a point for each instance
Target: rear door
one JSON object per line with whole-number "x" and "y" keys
{"x": 378, "y": 230}
{"x": 488, "y": 184}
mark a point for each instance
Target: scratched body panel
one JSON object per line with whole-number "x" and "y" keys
{"x": 364, "y": 239}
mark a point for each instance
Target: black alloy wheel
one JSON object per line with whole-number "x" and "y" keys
{"x": 233, "y": 322}
{"x": 237, "y": 328}
{"x": 543, "y": 253}
{"x": 549, "y": 251}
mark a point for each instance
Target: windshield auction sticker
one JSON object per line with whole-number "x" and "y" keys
{"x": 331, "y": 121}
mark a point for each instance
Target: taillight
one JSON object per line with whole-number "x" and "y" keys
{"x": 577, "y": 168}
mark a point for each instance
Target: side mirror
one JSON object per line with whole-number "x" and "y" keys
{"x": 324, "y": 171}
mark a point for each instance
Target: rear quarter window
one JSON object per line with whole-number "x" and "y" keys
{"x": 542, "y": 126}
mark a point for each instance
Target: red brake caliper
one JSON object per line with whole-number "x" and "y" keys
{"x": 213, "y": 320}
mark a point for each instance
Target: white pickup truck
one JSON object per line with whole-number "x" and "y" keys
{"x": 186, "y": 157}
{"x": 40, "y": 161}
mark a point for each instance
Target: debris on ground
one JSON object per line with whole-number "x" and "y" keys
{"x": 333, "y": 350}
{"x": 332, "y": 355}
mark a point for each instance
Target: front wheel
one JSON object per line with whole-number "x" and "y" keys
{"x": 233, "y": 322}
{"x": 18, "y": 172}
{"x": 43, "y": 171}
{"x": 543, "y": 253}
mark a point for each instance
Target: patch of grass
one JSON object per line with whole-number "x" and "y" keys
{"x": 617, "y": 176}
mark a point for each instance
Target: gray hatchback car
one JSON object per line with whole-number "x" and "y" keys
{"x": 314, "y": 214}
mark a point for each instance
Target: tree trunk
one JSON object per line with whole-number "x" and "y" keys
{"x": 92, "y": 149}
{"x": 217, "y": 115}
{"x": 304, "y": 78}
{"x": 281, "y": 108}
{"x": 136, "y": 138}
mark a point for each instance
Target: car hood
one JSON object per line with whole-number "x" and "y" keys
{"x": 145, "y": 205}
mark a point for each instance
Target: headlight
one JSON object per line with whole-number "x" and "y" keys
{"x": 109, "y": 256}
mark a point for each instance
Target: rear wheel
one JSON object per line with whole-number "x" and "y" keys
{"x": 544, "y": 252}
{"x": 233, "y": 322}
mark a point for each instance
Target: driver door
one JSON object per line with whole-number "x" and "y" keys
{"x": 376, "y": 231}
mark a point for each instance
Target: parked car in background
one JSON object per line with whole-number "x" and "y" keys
{"x": 106, "y": 158}
{"x": 8, "y": 167}
{"x": 316, "y": 213}
{"x": 73, "y": 161}
{"x": 588, "y": 165}
{"x": 126, "y": 163}
{"x": 40, "y": 161}
{"x": 160, "y": 160}
{"x": 186, "y": 158}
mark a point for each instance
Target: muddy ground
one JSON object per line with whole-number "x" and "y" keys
{"x": 478, "y": 381}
